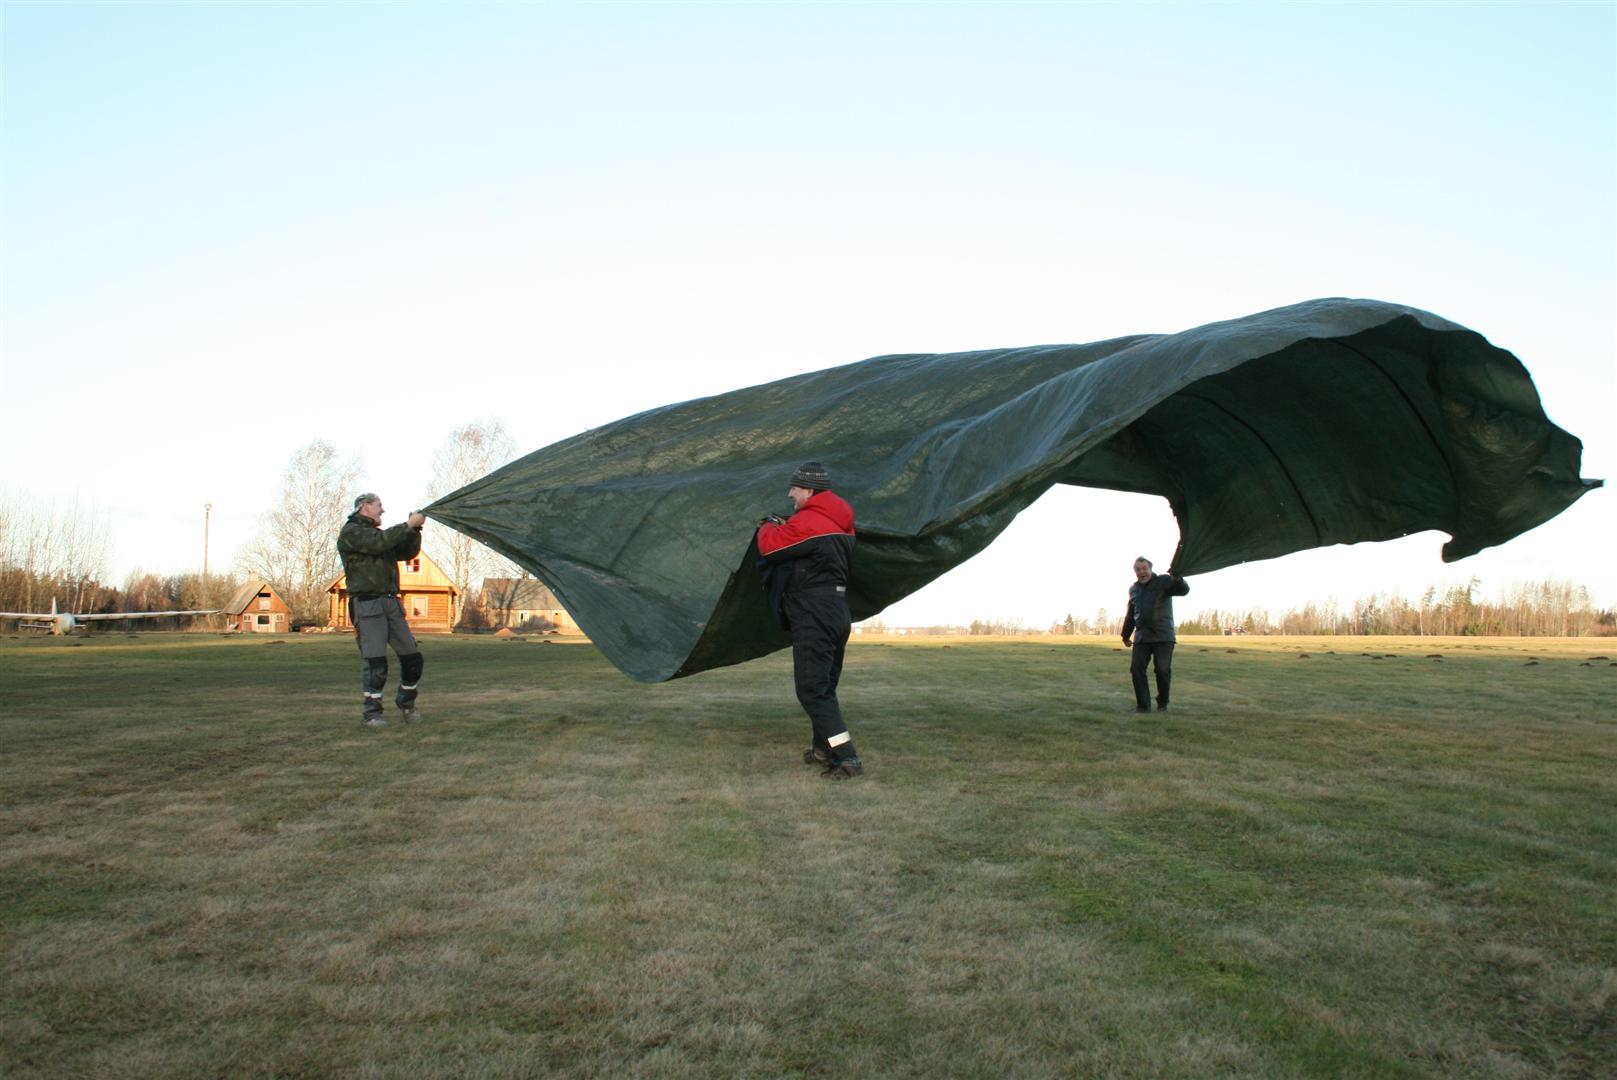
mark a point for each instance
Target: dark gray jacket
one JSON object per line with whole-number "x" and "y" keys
{"x": 1150, "y": 616}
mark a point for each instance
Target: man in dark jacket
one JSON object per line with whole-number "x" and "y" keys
{"x": 370, "y": 559}
{"x": 1149, "y": 623}
{"x": 805, "y": 562}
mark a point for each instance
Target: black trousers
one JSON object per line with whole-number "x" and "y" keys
{"x": 1160, "y": 655}
{"x": 819, "y": 626}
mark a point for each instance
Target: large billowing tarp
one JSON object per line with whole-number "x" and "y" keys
{"x": 1328, "y": 422}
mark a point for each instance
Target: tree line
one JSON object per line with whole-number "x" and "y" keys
{"x": 57, "y": 552}
{"x": 1549, "y": 608}
{"x": 51, "y": 552}
{"x": 60, "y": 552}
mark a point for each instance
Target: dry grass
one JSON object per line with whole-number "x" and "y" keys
{"x": 1362, "y": 862}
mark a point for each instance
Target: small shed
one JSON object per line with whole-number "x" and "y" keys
{"x": 428, "y": 597}
{"x": 519, "y": 602}
{"x": 257, "y": 608}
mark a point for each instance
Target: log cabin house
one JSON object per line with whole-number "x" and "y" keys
{"x": 428, "y": 597}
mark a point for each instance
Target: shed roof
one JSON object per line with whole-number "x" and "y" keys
{"x": 245, "y": 595}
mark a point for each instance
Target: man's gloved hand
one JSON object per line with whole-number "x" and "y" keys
{"x": 771, "y": 519}
{"x": 1126, "y": 641}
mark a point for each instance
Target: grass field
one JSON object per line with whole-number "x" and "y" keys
{"x": 1334, "y": 857}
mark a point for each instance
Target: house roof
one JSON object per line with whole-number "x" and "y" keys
{"x": 517, "y": 594}
{"x": 244, "y": 595}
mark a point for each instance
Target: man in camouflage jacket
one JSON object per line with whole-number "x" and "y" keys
{"x": 370, "y": 559}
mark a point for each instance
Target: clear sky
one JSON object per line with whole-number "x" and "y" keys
{"x": 231, "y": 228}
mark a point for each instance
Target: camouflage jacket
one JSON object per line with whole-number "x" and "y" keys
{"x": 371, "y": 554}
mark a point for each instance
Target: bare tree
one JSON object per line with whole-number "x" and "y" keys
{"x": 296, "y": 546}
{"x": 469, "y": 453}
{"x": 49, "y": 553}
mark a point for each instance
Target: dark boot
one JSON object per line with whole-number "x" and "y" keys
{"x": 374, "y": 678}
{"x": 409, "y": 679}
{"x": 845, "y": 763}
{"x": 844, "y": 769}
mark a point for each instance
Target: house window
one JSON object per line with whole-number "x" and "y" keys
{"x": 263, "y": 620}
{"x": 413, "y": 565}
{"x": 263, "y": 604}
{"x": 418, "y": 607}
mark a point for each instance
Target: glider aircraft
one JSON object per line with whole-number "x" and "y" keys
{"x": 61, "y": 622}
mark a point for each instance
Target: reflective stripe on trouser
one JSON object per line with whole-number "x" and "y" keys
{"x": 1160, "y": 655}
{"x": 819, "y": 626}
{"x": 374, "y": 677}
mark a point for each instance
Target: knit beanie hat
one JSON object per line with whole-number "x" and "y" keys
{"x": 811, "y": 475}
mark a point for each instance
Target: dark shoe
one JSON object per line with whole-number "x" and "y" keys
{"x": 376, "y": 721}
{"x": 846, "y": 769}
{"x": 1162, "y": 706}
{"x": 410, "y": 714}
{"x": 1142, "y": 708}
{"x": 817, "y": 755}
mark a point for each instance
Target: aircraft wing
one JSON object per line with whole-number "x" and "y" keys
{"x": 115, "y": 615}
{"x": 29, "y": 620}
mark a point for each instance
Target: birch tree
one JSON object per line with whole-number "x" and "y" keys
{"x": 296, "y": 546}
{"x": 469, "y": 452}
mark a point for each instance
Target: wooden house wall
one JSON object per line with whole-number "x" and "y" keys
{"x": 433, "y": 618}
{"x": 280, "y": 615}
{"x": 276, "y": 606}
{"x": 425, "y": 592}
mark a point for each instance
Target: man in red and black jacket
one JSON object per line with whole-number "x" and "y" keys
{"x": 805, "y": 563}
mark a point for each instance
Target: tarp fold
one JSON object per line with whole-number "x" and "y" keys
{"x": 1328, "y": 422}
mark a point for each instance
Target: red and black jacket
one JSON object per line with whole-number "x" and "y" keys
{"x": 810, "y": 550}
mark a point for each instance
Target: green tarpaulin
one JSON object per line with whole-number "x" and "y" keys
{"x": 1329, "y": 422}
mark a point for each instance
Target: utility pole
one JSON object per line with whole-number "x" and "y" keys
{"x": 207, "y": 515}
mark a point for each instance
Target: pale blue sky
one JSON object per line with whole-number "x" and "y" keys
{"x": 385, "y": 220}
